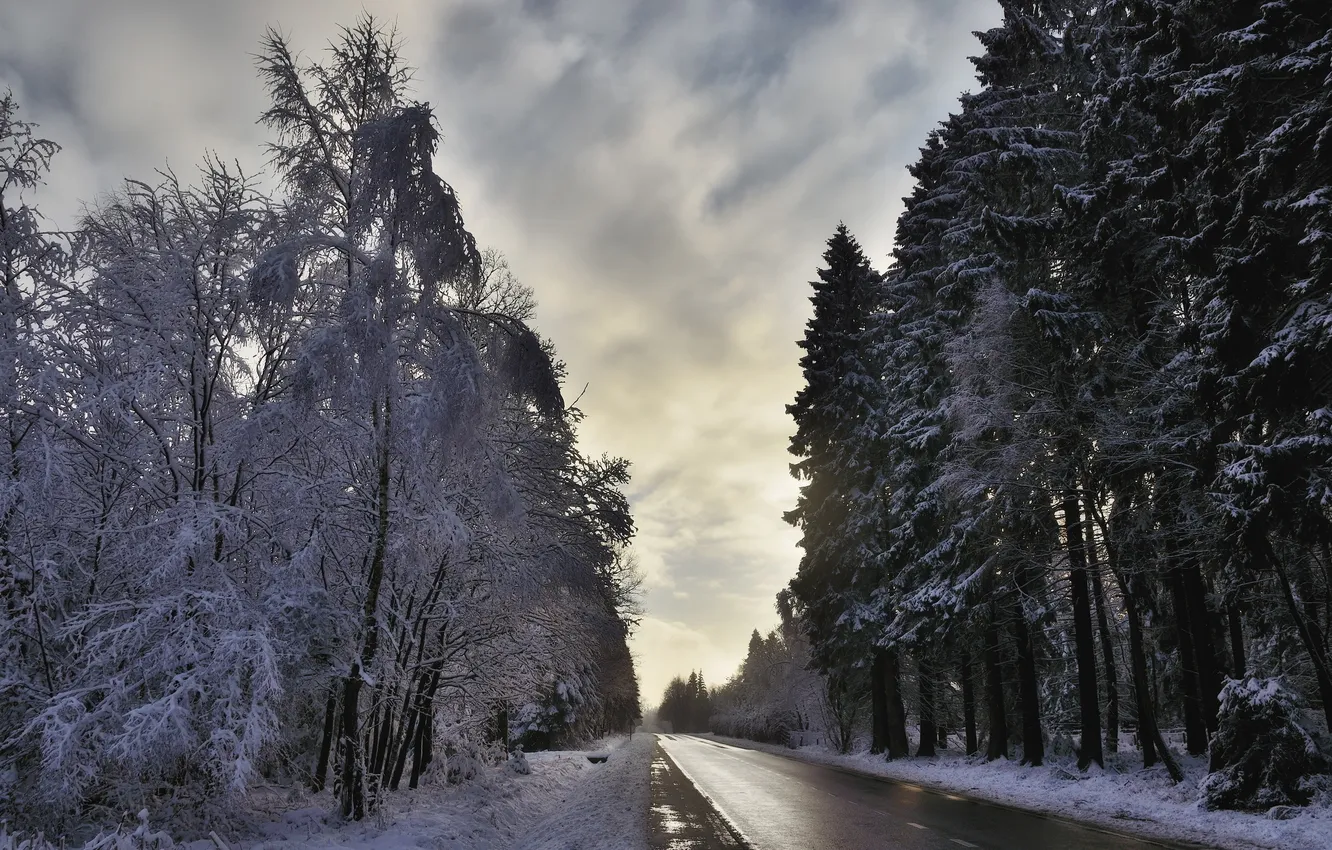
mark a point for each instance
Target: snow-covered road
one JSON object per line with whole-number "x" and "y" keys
{"x": 779, "y": 803}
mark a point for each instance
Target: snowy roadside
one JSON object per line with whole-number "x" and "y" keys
{"x": 1135, "y": 802}
{"x": 608, "y": 811}
{"x": 565, "y": 803}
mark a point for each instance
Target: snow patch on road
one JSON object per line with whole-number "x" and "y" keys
{"x": 1120, "y": 798}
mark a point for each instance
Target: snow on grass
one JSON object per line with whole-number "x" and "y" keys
{"x": 565, "y": 803}
{"x": 1123, "y": 797}
{"x": 608, "y": 811}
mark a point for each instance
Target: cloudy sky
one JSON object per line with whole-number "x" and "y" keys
{"x": 662, "y": 172}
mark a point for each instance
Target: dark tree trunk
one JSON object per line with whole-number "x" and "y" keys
{"x": 1237, "y": 661}
{"x": 898, "y": 746}
{"x": 1204, "y": 649}
{"x": 326, "y": 740}
{"x": 879, "y": 702}
{"x": 423, "y": 748}
{"x": 1142, "y": 691}
{"x": 1136, "y": 595}
{"x": 353, "y": 787}
{"x": 968, "y": 705}
{"x": 1108, "y": 660}
{"x": 1088, "y": 700}
{"x": 502, "y": 727}
{"x": 408, "y": 733}
{"x": 1033, "y": 740}
{"x": 1195, "y": 730}
{"x": 374, "y": 733}
{"x": 1107, "y": 642}
{"x": 994, "y": 694}
{"x": 928, "y": 731}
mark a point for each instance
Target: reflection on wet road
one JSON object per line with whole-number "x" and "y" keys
{"x": 779, "y": 803}
{"x": 681, "y": 818}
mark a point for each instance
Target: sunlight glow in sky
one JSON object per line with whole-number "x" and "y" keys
{"x": 663, "y": 173}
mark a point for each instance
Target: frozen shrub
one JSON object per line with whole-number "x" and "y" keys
{"x": 518, "y": 763}
{"x": 1260, "y": 756}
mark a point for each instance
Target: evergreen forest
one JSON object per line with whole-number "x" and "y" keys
{"x": 1066, "y": 465}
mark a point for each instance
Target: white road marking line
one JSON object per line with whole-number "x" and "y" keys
{"x": 963, "y": 843}
{"x": 916, "y": 825}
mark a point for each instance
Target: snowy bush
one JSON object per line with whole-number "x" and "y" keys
{"x": 1261, "y": 756}
{"x": 141, "y": 837}
{"x": 518, "y": 763}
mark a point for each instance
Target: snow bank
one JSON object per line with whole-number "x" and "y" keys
{"x": 607, "y": 812}
{"x": 564, "y": 803}
{"x": 1123, "y": 797}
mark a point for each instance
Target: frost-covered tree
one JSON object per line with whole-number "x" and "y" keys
{"x": 292, "y": 488}
{"x": 32, "y": 260}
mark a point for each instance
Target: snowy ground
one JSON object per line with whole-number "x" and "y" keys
{"x": 1123, "y": 799}
{"x": 566, "y": 803}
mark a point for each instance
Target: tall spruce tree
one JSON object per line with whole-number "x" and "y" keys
{"x": 836, "y": 573}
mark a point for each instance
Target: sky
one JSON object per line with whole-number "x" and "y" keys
{"x": 662, "y": 173}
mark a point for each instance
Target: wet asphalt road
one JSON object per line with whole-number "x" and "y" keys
{"x": 681, "y": 817}
{"x": 778, "y": 803}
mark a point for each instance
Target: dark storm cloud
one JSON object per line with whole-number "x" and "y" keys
{"x": 662, "y": 172}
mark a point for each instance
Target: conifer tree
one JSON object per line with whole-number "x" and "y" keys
{"x": 837, "y": 571}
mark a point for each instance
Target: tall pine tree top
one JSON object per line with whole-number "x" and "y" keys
{"x": 843, "y": 298}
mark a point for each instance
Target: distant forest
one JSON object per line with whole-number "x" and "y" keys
{"x": 1067, "y": 464}
{"x": 289, "y": 492}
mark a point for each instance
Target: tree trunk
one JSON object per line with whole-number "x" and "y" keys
{"x": 423, "y": 746}
{"x": 928, "y": 730}
{"x": 1195, "y": 730}
{"x": 1204, "y": 649}
{"x": 1237, "y": 661}
{"x": 326, "y": 740}
{"x": 1033, "y": 739}
{"x": 879, "y": 702}
{"x": 408, "y": 733}
{"x": 1172, "y": 766}
{"x": 1107, "y": 653}
{"x": 994, "y": 694}
{"x": 1089, "y": 703}
{"x": 898, "y": 746}
{"x": 1135, "y": 595}
{"x": 968, "y": 705}
{"x": 353, "y": 787}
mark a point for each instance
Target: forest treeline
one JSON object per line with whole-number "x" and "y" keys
{"x": 1067, "y": 464}
{"x": 685, "y": 704}
{"x": 288, "y": 488}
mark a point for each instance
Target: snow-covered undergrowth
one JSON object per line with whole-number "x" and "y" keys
{"x": 1123, "y": 797}
{"x": 564, "y": 802}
